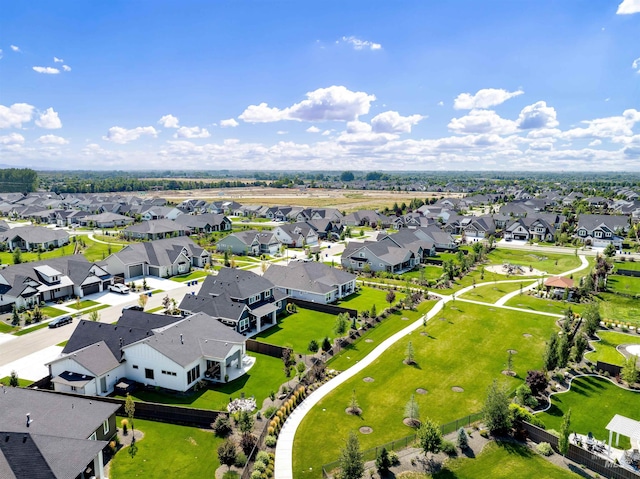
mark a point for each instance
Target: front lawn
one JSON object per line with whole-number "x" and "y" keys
{"x": 167, "y": 450}
{"x": 491, "y": 293}
{"x": 367, "y": 297}
{"x": 593, "y": 403}
{"x": 190, "y": 276}
{"x": 86, "y": 303}
{"x": 605, "y": 349}
{"x": 95, "y": 251}
{"x": 6, "y": 327}
{"x": 51, "y": 312}
{"x": 466, "y": 347}
{"x": 298, "y": 329}
{"x": 22, "y": 383}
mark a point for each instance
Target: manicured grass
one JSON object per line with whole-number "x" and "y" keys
{"x": 188, "y": 277}
{"x": 429, "y": 272}
{"x": 491, "y": 293}
{"x": 7, "y": 257}
{"x": 628, "y": 265}
{"x": 354, "y": 352}
{"x": 367, "y": 297}
{"x": 6, "y": 327}
{"x": 167, "y": 450}
{"x": 466, "y": 347}
{"x": 62, "y": 344}
{"x": 95, "y": 251}
{"x": 298, "y": 329}
{"x": 154, "y": 310}
{"x": 51, "y": 312}
{"x": 157, "y": 291}
{"x": 87, "y": 303}
{"x": 619, "y": 308}
{"x": 545, "y": 305}
{"x": 605, "y": 349}
{"x": 22, "y": 383}
{"x": 265, "y": 376}
{"x": 593, "y": 403}
{"x": 549, "y": 262}
{"x": 31, "y": 329}
{"x": 97, "y": 308}
{"x": 623, "y": 284}
{"x": 503, "y": 460}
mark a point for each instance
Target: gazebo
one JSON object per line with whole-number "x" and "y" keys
{"x": 559, "y": 284}
{"x": 625, "y": 426}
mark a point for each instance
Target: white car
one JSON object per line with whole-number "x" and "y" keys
{"x": 119, "y": 288}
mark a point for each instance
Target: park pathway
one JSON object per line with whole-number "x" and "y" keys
{"x": 284, "y": 447}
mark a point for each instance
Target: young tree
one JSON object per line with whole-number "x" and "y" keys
{"x": 37, "y": 314}
{"x": 463, "y": 439}
{"x": 326, "y": 344}
{"x": 342, "y": 324}
{"x": 15, "y": 317}
{"x": 579, "y": 347}
{"x": 130, "y": 409}
{"x": 610, "y": 250}
{"x": 563, "y": 441}
{"x": 509, "y": 361}
{"x": 245, "y": 422}
{"x": 496, "y": 409}
{"x": 351, "y": 459}
{"x": 14, "y": 381}
{"x": 288, "y": 360}
{"x": 383, "y": 462}
{"x": 227, "y": 453}
{"x": 354, "y": 407}
{"x": 142, "y": 300}
{"x": 373, "y": 312}
{"x": 551, "y": 353}
{"x": 564, "y": 349}
{"x": 537, "y": 381}
{"x": 301, "y": 368}
{"x": 94, "y": 316}
{"x": 630, "y": 370}
{"x": 17, "y": 256}
{"x": 391, "y": 297}
{"x": 591, "y": 319}
{"x": 313, "y": 346}
{"x": 429, "y": 437}
{"x": 412, "y": 411}
{"x": 409, "y": 358}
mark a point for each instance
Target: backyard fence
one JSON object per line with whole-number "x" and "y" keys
{"x": 323, "y": 308}
{"x": 264, "y": 348}
{"x": 627, "y": 272}
{"x": 398, "y": 444}
{"x": 612, "y": 369}
{"x": 577, "y": 454}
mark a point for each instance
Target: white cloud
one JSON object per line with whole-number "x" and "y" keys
{"x": 58, "y": 60}
{"x": 327, "y": 132}
{"x": 359, "y": 44}
{"x": 628, "y": 7}
{"x": 636, "y": 65}
{"x": 440, "y": 103}
{"x": 168, "y": 121}
{"x": 358, "y": 127}
{"x": 15, "y": 115}
{"x": 49, "y": 120}
{"x": 120, "y": 135}
{"x": 393, "y": 122}
{"x": 482, "y": 121}
{"x": 66, "y": 68}
{"x": 12, "y": 139}
{"x": 229, "y": 123}
{"x": 610, "y": 127}
{"x": 282, "y": 132}
{"x": 192, "y": 132}
{"x": 52, "y": 140}
{"x": 47, "y": 70}
{"x": 538, "y": 115}
{"x": 333, "y": 103}
{"x": 15, "y": 48}
{"x": 313, "y": 129}
{"x": 484, "y": 98}
{"x": 596, "y": 142}
{"x": 0, "y": 53}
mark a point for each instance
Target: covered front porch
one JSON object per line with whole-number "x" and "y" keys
{"x": 261, "y": 318}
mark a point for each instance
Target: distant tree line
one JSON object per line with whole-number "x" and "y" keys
{"x": 18, "y": 180}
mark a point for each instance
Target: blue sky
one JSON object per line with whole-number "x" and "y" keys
{"x": 324, "y": 85}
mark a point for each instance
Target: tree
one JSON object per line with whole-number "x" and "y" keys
{"x": 347, "y": 176}
{"x": 630, "y": 370}
{"x": 391, "y": 297}
{"x": 463, "y": 439}
{"x": 537, "y": 381}
{"x": 564, "y": 349}
{"x": 591, "y": 319}
{"x": 245, "y": 422}
{"x": 610, "y": 251}
{"x": 354, "y": 407}
{"x": 14, "y": 382}
{"x": 409, "y": 358}
{"x": 496, "y": 408}
{"x": 94, "y": 316}
{"x": 373, "y": 312}
{"x": 133, "y": 447}
{"x": 166, "y": 303}
{"x": 313, "y": 346}
{"x": 342, "y": 324}
{"x": 288, "y": 360}
{"x": 37, "y": 314}
{"x": 227, "y": 453}
{"x": 563, "y": 441}
{"x": 412, "y": 411}
{"x": 579, "y": 347}
{"x": 383, "y": 462}
{"x": 351, "y": 459}
{"x": 551, "y": 353}
{"x": 142, "y": 300}
{"x": 326, "y": 344}
{"x": 130, "y": 409}
{"x": 301, "y": 368}
{"x": 15, "y": 317}
{"x": 509, "y": 361}
{"x": 429, "y": 437}
{"x": 17, "y": 256}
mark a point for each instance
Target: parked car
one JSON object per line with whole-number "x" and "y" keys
{"x": 119, "y": 288}
{"x": 134, "y": 307}
{"x": 61, "y": 321}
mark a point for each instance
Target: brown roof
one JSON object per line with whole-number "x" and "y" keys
{"x": 559, "y": 282}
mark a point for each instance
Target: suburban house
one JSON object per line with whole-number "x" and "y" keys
{"x": 365, "y": 218}
{"x": 311, "y": 281}
{"x": 171, "y": 352}
{"x": 441, "y": 240}
{"x": 28, "y": 284}
{"x": 48, "y": 435}
{"x": 154, "y": 230}
{"x": 296, "y": 235}
{"x": 421, "y": 247}
{"x": 326, "y": 229}
{"x": 379, "y": 255}
{"x": 602, "y": 230}
{"x": 161, "y": 213}
{"x": 249, "y": 242}
{"x": 245, "y": 301}
{"x": 205, "y": 223}
{"x": 535, "y": 228}
{"x": 33, "y": 238}
{"x": 162, "y": 258}
{"x": 478, "y": 227}
{"x": 105, "y": 220}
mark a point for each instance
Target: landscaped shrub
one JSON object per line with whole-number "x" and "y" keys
{"x": 259, "y": 466}
{"x": 484, "y": 433}
{"x": 448, "y": 447}
{"x": 271, "y": 430}
{"x": 463, "y": 439}
{"x": 247, "y": 442}
{"x": 394, "y": 459}
{"x": 313, "y": 346}
{"x": 256, "y": 475}
{"x": 270, "y": 440}
{"x": 241, "y": 460}
{"x": 537, "y": 381}
{"x": 518, "y": 413}
{"x": 263, "y": 457}
{"x": 230, "y": 475}
{"x": 544, "y": 448}
{"x": 383, "y": 463}
{"x": 221, "y": 426}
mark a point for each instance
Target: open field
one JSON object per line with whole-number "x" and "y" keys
{"x": 619, "y": 308}
{"x": 623, "y": 284}
{"x": 167, "y": 450}
{"x": 466, "y": 347}
{"x": 593, "y": 403}
{"x": 545, "y": 305}
{"x": 549, "y": 262}
{"x": 605, "y": 349}
{"x": 491, "y": 293}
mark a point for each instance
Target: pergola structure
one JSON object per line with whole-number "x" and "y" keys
{"x": 625, "y": 426}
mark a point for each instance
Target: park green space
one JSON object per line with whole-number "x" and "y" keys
{"x": 490, "y": 293}
{"x": 605, "y": 349}
{"x": 95, "y": 251}
{"x": 623, "y": 284}
{"x": 593, "y": 402}
{"x": 465, "y": 346}
{"x": 168, "y": 450}
{"x": 372, "y": 337}
{"x": 628, "y": 265}
{"x": 265, "y": 376}
{"x": 298, "y": 329}
{"x": 551, "y": 263}
{"x": 545, "y": 305}
{"x": 619, "y": 308}
{"x": 367, "y": 297}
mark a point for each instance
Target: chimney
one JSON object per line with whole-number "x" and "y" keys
{"x": 181, "y": 340}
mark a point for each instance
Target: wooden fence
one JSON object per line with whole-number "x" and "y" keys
{"x": 612, "y": 369}
{"x": 265, "y": 348}
{"x": 323, "y": 308}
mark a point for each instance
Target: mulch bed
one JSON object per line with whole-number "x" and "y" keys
{"x": 365, "y": 430}
{"x": 421, "y": 391}
{"x": 457, "y": 389}
{"x": 368, "y": 379}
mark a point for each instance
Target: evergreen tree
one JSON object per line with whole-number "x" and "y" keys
{"x": 630, "y": 370}
{"x": 351, "y": 459}
{"x": 551, "y": 353}
{"x": 563, "y": 441}
{"x": 496, "y": 409}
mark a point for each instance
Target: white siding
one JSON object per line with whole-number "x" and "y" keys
{"x": 144, "y": 357}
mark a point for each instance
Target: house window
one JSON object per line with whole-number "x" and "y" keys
{"x": 598, "y": 234}
{"x": 267, "y": 294}
{"x": 105, "y": 426}
{"x": 193, "y": 374}
{"x": 135, "y": 366}
{"x": 362, "y": 254}
{"x": 243, "y": 325}
{"x": 148, "y": 373}
{"x": 169, "y": 373}
{"x": 73, "y": 388}
{"x": 93, "y": 437}
{"x": 254, "y": 299}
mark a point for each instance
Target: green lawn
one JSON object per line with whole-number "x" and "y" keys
{"x": 22, "y": 383}
{"x": 265, "y": 376}
{"x": 367, "y": 297}
{"x": 97, "y": 308}
{"x": 429, "y": 272}
{"x": 6, "y": 327}
{"x": 619, "y": 308}
{"x": 298, "y": 329}
{"x": 62, "y": 344}
{"x": 491, "y": 293}
{"x": 7, "y": 257}
{"x": 31, "y": 329}
{"x": 51, "y": 312}
{"x": 605, "y": 349}
{"x": 353, "y": 353}
{"x": 98, "y": 251}
{"x": 466, "y": 347}
{"x": 545, "y": 305}
{"x": 167, "y": 450}
{"x": 503, "y": 460}
{"x": 628, "y": 265}
{"x": 154, "y": 310}
{"x": 550, "y": 262}
{"x": 623, "y": 284}
{"x": 87, "y": 303}
{"x": 593, "y": 403}
{"x": 188, "y": 277}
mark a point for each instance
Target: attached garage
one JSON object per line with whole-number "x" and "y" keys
{"x": 136, "y": 270}
{"x": 90, "y": 289}
{"x": 154, "y": 271}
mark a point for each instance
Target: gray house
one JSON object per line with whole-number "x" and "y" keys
{"x": 205, "y": 223}
{"x": 380, "y": 256}
{"x": 32, "y": 238}
{"x": 249, "y": 242}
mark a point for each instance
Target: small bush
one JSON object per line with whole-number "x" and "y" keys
{"x": 270, "y": 440}
{"x": 241, "y": 460}
{"x": 449, "y": 448}
{"x": 247, "y": 443}
{"x": 394, "y": 459}
{"x": 230, "y": 475}
{"x": 259, "y": 466}
{"x": 221, "y": 426}
{"x": 484, "y": 433}
{"x": 263, "y": 457}
{"x": 256, "y": 475}
{"x": 544, "y": 448}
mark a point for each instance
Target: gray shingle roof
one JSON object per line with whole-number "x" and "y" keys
{"x": 237, "y": 283}
{"x": 312, "y": 276}
{"x": 158, "y": 252}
